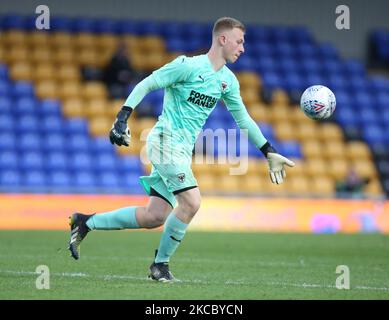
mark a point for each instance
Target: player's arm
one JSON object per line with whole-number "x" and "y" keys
{"x": 238, "y": 110}
{"x": 176, "y": 71}
{"x": 120, "y": 133}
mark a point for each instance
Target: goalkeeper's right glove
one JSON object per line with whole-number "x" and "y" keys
{"x": 276, "y": 163}
{"x": 120, "y": 133}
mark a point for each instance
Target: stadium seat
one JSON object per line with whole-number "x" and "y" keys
{"x": 32, "y": 160}
{"x": 21, "y": 71}
{"x": 10, "y": 178}
{"x": 100, "y": 126}
{"x": 322, "y": 186}
{"x": 47, "y": 89}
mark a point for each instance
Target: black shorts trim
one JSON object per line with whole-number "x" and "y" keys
{"x": 156, "y": 194}
{"x": 182, "y": 190}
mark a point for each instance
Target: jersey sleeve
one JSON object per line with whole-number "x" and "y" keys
{"x": 179, "y": 70}
{"x": 236, "y": 107}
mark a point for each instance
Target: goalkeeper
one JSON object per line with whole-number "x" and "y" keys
{"x": 192, "y": 88}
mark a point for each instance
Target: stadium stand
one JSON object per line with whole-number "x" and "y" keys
{"x": 65, "y": 120}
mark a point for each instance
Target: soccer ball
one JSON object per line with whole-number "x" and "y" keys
{"x": 318, "y": 102}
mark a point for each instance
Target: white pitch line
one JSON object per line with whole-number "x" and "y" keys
{"x": 227, "y": 282}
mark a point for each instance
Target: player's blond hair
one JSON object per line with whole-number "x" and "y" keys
{"x": 227, "y": 23}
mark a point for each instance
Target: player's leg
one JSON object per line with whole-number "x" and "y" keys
{"x": 155, "y": 213}
{"x": 151, "y": 216}
{"x": 189, "y": 200}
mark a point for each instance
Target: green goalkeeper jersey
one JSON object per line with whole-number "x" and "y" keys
{"x": 192, "y": 90}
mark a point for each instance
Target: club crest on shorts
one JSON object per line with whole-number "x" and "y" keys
{"x": 224, "y": 86}
{"x": 181, "y": 177}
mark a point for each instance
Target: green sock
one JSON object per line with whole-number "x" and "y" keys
{"x": 172, "y": 235}
{"x": 123, "y": 218}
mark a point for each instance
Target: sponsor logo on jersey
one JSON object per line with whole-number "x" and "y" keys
{"x": 201, "y": 99}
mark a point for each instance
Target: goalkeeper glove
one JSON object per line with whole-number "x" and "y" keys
{"x": 276, "y": 163}
{"x": 120, "y": 133}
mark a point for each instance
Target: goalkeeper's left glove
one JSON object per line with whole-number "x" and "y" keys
{"x": 276, "y": 163}
{"x": 120, "y": 133}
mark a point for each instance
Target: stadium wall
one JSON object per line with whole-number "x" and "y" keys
{"x": 50, "y": 212}
{"x": 319, "y": 16}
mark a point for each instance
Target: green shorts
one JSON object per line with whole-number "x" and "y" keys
{"x": 171, "y": 167}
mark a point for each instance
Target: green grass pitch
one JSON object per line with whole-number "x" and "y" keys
{"x": 114, "y": 265}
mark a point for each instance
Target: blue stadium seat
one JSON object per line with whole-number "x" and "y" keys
{"x": 284, "y": 49}
{"x": 131, "y": 182}
{"x": 260, "y": 49}
{"x": 353, "y": 68}
{"x": 293, "y": 81}
{"x": 267, "y": 130}
{"x": 306, "y": 51}
{"x": 23, "y": 89}
{"x": 55, "y": 142}
{"x": 3, "y": 72}
{"x": 378, "y": 84}
{"x": 171, "y": 30}
{"x": 382, "y": 100}
{"x": 308, "y": 66}
{"x": 374, "y": 134}
{"x": 130, "y": 164}
{"x": 175, "y": 44}
{"x": 13, "y": 21}
{"x": 59, "y": 179}
{"x": 289, "y": 149}
{"x": 5, "y": 88}
{"x": 7, "y": 123}
{"x": 126, "y": 27}
{"x": 346, "y": 116}
{"x": 368, "y": 116}
{"x": 287, "y": 65}
{"x": 6, "y": 106}
{"x": 34, "y": 178}
{"x": 28, "y": 124}
{"x": 25, "y": 106}
{"x": 109, "y": 180}
{"x": 266, "y": 64}
{"x": 357, "y": 84}
{"x": 78, "y": 143}
{"x": 50, "y": 107}
{"x": 105, "y": 25}
{"x": 9, "y": 160}
{"x": 81, "y": 161}
{"x": 327, "y": 51}
{"x": 101, "y": 145}
{"x": 30, "y": 142}
{"x": 9, "y": 178}
{"x": 52, "y": 124}
{"x": 76, "y": 126}
{"x": 60, "y": 24}
{"x": 57, "y": 161}
{"x": 85, "y": 181}
{"x": 146, "y": 28}
{"x": 272, "y": 80}
{"x": 106, "y": 161}
{"x": 7, "y": 142}
{"x": 300, "y": 34}
{"x": 31, "y": 160}
{"x": 83, "y": 24}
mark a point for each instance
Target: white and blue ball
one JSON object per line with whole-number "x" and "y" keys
{"x": 318, "y": 102}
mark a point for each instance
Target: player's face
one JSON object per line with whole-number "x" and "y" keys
{"x": 233, "y": 44}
